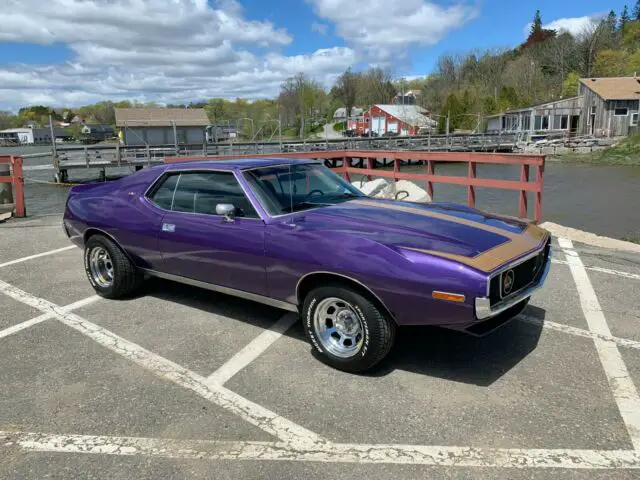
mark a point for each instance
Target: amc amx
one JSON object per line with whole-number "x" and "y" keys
{"x": 292, "y": 234}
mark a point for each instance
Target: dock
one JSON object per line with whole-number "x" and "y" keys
{"x": 104, "y": 157}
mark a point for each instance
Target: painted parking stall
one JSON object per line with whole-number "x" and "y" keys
{"x": 251, "y": 393}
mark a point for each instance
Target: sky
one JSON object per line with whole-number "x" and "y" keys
{"x": 76, "y": 52}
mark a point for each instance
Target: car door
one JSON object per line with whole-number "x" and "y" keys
{"x": 198, "y": 244}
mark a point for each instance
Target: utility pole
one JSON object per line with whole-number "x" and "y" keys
{"x": 175, "y": 136}
{"x": 54, "y": 149}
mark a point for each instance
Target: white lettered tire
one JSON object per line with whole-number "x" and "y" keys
{"x": 346, "y": 330}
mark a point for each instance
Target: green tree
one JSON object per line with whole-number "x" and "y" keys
{"x": 610, "y": 63}
{"x": 570, "y": 84}
{"x": 612, "y": 21}
{"x": 631, "y": 36}
{"x": 452, "y": 108}
{"x": 536, "y": 26}
{"x": 636, "y": 11}
{"x": 624, "y": 18}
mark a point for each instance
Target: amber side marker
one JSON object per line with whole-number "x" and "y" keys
{"x": 451, "y": 297}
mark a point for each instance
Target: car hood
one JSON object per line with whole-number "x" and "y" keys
{"x": 466, "y": 235}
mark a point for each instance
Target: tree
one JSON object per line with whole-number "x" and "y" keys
{"x": 612, "y": 21}
{"x": 624, "y": 18}
{"x": 570, "y": 85}
{"x": 536, "y": 26}
{"x": 346, "y": 89}
{"x": 8, "y": 120}
{"x": 610, "y": 63}
{"x": 537, "y": 34}
{"x": 451, "y": 109}
{"x": 375, "y": 86}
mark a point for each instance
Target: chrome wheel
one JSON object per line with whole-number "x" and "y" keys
{"x": 101, "y": 267}
{"x": 338, "y": 327}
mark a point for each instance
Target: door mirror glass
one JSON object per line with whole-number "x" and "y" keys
{"x": 227, "y": 210}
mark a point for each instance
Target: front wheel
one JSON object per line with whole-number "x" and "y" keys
{"x": 346, "y": 330}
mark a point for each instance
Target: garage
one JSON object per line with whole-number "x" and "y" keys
{"x": 378, "y": 125}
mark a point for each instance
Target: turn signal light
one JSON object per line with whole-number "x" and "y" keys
{"x": 451, "y": 297}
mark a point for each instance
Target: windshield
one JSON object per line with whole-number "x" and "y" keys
{"x": 289, "y": 188}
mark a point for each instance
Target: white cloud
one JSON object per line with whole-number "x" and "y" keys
{"x": 386, "y": 29}
{"x": 573, "y": 25}
{"x": 163, "y": 50}
{"x": 321, "y": 28}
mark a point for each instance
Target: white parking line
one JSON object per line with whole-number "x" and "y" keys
{"x": 252, "y": 351}
{"x": 46, "y": 316}
{"x": 251, "y": 412}
{"x": 37, "y": 255}
{"x": 622, "y": 387}
{"x": 618, "y": 273}
{"x": 579, "y": 332}
{"x": 325, "y": 452}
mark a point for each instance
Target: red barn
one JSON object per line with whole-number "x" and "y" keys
{"x": 395, "y": 119}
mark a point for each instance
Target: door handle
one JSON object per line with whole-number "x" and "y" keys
{"x": 168, "y": 227}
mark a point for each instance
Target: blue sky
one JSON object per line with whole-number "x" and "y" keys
{"x": 70, "y": 52}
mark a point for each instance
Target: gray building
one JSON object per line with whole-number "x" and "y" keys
{"x": 610, "y": 105}
{"x": 560, "y": 116}
{"x": 161, "y": 126}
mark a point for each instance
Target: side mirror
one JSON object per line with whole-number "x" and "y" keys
{"x": 227, "y": 210}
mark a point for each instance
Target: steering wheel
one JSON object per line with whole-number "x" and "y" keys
{"x": 316, "y": 190}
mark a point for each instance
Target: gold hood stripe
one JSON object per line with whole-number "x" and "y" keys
{"x": 517, "y": 244}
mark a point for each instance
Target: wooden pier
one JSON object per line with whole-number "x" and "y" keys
{"x": 105, "y": 157}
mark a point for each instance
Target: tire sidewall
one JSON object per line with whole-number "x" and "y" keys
{"x": 361, "y": 308}
{"x": 93, "y": 243}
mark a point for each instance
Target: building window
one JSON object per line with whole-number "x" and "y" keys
{"x": 621, "y": 112}
{"x": 634, "y": 119}
{"x": 545, "y": 122}
{"x": 526, "y": 123}
{"x": 564, "y": 122}
{"x": 537, "y": 122}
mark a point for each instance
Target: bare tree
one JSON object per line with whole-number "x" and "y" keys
{"x": 376, "y": 86}
{"x": 346, "y": 88}
{"x": 592, "y": 38}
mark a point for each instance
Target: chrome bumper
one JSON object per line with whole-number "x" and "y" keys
{"x": 484, "y": 309}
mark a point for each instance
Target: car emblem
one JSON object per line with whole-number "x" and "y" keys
{"x": 507, "y": 282}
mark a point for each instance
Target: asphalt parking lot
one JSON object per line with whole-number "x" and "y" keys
{"x": 184, "y": 383}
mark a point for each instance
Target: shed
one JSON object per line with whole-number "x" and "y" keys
{"x": 610, "y": 105}
{"x": 162, "y": 126}
{"x": 558, "y": 116}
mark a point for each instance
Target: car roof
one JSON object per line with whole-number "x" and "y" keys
{"x": 237, "y": 164}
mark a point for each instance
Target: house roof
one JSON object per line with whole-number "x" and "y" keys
{"x": 161, "y": 117}
{"x": 342, "y": 112}
{"x": 614, "y": 88}
{"x": 409, "y": 114}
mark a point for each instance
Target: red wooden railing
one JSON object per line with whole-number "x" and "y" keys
{"x": 17, "y": 180}
{"x": 471, "y": 181}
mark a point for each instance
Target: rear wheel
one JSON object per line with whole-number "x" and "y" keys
{"x": 346, "y": 330}
{"x": 110, "y": 272}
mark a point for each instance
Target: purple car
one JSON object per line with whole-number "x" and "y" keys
{"x": 292, "y": 234}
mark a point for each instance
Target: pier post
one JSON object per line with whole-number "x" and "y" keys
{"x": 86, "y": 156}
{"x": 6, "y": 189}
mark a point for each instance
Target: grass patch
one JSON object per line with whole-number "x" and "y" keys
{"x": 340, "y": 126}
{"x": 633, "y": 238}
{"x": 625, "y": 152}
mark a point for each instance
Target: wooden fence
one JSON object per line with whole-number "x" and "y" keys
{"x": 343, "y": 162}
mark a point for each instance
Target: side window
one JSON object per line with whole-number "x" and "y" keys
{"x": 162, "y": 195}
{"x": 200, "y": 192}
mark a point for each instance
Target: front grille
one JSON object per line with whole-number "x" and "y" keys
{"x": 524, "y": 274}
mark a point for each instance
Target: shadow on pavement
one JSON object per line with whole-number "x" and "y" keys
{"x": 428, "y": 351}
